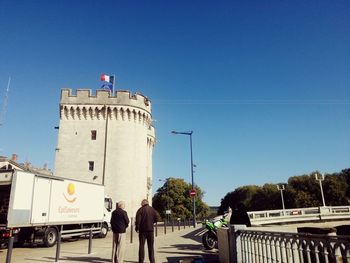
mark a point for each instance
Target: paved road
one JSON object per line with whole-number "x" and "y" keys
{"x": 180, "y": 246}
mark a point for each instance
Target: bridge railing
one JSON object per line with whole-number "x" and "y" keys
{"x": 257, "y": 246}
{"x": 245, "y": 245}
{"x": 299, "y": 214}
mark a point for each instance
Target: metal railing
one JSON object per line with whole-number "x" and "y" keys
{"x": 263, "y": 246}
{"x": 76, "y": 233}
{"x": 162, "y": 228}
{"x": 299, "y": 214}
{"x": 60, "y": 234}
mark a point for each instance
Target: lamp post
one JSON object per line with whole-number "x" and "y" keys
{"x": 281, "y": 188}
{"x": 320, "y": 178}
{"x": 167, "y": 211}
{"x": 189, "y": 133}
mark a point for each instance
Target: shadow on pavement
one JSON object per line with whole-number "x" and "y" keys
{"x": 195, "y": 235}
{"x": 194, "y": 253}
{"x": 200, "y": 259}
{"x": 83, "y": 259}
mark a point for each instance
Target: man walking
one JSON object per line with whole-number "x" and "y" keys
{"x": 146, "y": 216}
{"x": 119, "y": 223}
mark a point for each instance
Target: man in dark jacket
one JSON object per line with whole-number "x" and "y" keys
{"x": 240, "y": 216}
{"x": 119, "y": 223}
{"x": 146, "y": 216}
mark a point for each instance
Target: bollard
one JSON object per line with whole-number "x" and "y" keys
{"x": 58, "y": 245}
{"x": 172, "y": 225}
{"x": 131, "y": 230}
{"x": 156, "y": 226}
{"x": 184, "y": 223}
{"x": 9, "y": 248}
{"x": 90, "y": 241}
{"x": 178, "y": 224}
{"x": 164, "y": 227}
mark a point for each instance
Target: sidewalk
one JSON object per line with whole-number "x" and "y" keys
{"x": 179, "y": 246}
{"x": 184, "y": 245}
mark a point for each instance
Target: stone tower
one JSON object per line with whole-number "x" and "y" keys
{"x": 107, "y": 139}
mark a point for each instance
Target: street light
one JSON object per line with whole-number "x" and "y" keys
{"x": 167, "y": 211}
{"x": 281, "y": 188}
{"x": 320, "y": 178}
{"x": 189, "y": 133}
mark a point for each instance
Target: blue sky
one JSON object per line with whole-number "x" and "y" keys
{"x": 264, "y": 85}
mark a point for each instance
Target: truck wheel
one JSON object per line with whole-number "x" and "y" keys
{"x": 104, "y": 230}
{"x": 50, "y": 237}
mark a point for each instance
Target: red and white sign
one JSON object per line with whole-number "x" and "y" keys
{"x": 193, "y": 192}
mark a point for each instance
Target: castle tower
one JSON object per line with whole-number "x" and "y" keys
{"x": 107, "y": 139}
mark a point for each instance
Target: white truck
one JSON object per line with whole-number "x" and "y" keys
{"x": 36, "y": 207}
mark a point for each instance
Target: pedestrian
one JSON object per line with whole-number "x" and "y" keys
{"x": 119, "y": 223}
{"x": 146, "y": 216}
{"x": 240, "y": 216}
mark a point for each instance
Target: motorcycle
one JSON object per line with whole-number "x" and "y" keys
{"x": 210, "y": 238}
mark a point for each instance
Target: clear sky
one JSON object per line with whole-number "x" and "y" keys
{"x": 264, "y": 85}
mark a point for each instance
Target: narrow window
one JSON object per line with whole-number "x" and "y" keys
{"x": 93, "y": 135}
{"x": 91, "y": 165}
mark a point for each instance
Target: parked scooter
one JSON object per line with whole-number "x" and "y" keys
{"x": 210, "y": 238}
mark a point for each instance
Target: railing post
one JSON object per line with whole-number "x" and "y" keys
{"x": 58, "y": 245}
{"x": 184, "y": 223}
{"x": 90, "y": 241}
{"x": 156, "y": 226}
{"x": 172, "y": 225}
{"x": 164, "y": 227}
{"x": 9, "y": 248}
{"x": 132, "y": 230}
{"x": 235, "y": 244}
{"x": 178, "y": 224}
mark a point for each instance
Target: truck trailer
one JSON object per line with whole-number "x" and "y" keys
{"x": 35, "y": 207}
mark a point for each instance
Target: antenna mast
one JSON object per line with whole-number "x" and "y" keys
{"x": 4, "y": 106}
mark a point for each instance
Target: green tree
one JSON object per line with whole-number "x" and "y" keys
{"x": 174, "y": 194}
{"x": 301, "y": 191}
{"x": 305, "y": 191}
{"x": 242, "y": 194}
{"x": 345, "y": 174}
{"x": 266, "y": 198}
{"x": 335, "y": 189}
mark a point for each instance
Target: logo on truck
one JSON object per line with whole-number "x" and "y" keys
{"x": 70, "y": 191}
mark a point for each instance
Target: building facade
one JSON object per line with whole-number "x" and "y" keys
{"x": 107, "y": 139}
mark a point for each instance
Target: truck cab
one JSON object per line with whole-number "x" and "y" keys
{"x": 107, "y": 216}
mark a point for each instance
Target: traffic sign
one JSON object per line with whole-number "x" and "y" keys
{"x": 193, "y": 193}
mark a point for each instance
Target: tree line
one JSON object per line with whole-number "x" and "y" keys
{"x": 174, "y": 196}
{"x": 300, "y": 191}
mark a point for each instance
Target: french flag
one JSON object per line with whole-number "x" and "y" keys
{"x": 107, "y": 78}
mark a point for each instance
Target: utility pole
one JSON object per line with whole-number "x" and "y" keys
{"x": 320, "y": 178}
{"x": 281, "y": 188}
{"x": 189, "y": 133}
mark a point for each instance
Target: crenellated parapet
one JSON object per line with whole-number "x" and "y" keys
{"x": 105, "y": 97}
{"x": 124, "y": 106}
{"x": 101, "y": 112}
